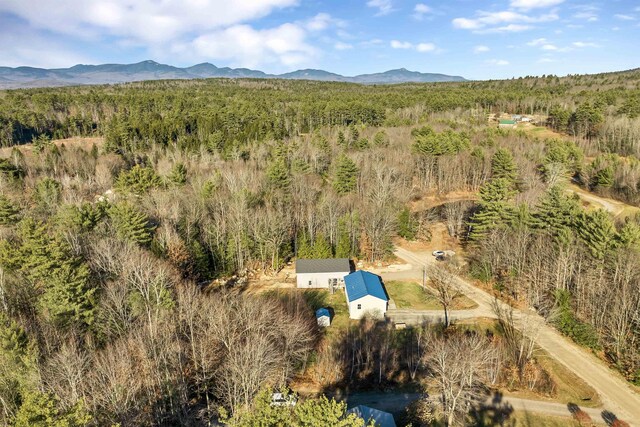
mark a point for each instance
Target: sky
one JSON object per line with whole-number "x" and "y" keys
{"x": 473, "y": 38}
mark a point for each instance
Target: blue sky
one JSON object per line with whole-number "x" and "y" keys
{"x": 475, "y": 39}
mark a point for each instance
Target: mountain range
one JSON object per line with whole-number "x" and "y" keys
{"x": 29, "y": 77}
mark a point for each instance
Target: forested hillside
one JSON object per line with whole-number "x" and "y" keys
{"x": 110, "y": 311}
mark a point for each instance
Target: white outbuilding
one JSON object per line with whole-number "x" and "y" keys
{"x": 322, "y": 273}
{"x": 323, "y": 317}
{"x": 365, "y": 295}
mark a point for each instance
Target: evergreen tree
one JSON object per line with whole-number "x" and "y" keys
{"x": 47, "y": 194}
{"x": 321, "y": 247}
{"x": 597, "y": 231}
{"x": 9, "y": 214}
{"x": 342, "y": 141}
{"x": 407, "y": 224}
{"x": 495, "y": 210}
{"x": 354, "y": 135}
{"x": 304, "y": 248}
{"x": 381, "y": 139}
{"x": 346, "y": 176}
{"x": 43, "y": 410}
{"x": 556, "y": 212}
{"x": 503, "y": 166}
{"x": 629, "y": 235}
{"x": 131, "y": 224}
{"x": 59, "y": 277}
{"x": 178, "y": 175}
{"x": 279, "y": 174}
{"x": 343, "y": 247}
{"x": 137, "y": 180}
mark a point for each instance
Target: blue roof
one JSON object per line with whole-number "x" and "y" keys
{"x": 362, "y": 283}
{"x": 322, "y": 312}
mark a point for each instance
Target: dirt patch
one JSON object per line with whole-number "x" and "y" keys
{"x": 431, "y": 201}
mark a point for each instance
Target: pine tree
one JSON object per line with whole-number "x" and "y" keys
{"x": 597, "y": 231}
{"x": 381, "y": 139}
{"x": 342, "y": 141}
{"x": 354, "y": 135}
{"x": 629, "y": 235}
{"x": 556, "y": 212}
{"x": 303, "y": 247}
{"x": 495, "y": 210}
{"x": 503, "y": 166}
{"x": 59, "y": 277}
{"x": 279, "y": 174}
{"x": 131, "y": 224}
{"x": 343, "y": 247}
{"x": 43, "y": 410}
{"x": 346, "y": 176}
{"x": 178, "y": 175}
{"x": 8, "y": 212}
{"x": 407, "y": 224}
{"x": 138, "y": 180}
{"x": 321, "y": 247}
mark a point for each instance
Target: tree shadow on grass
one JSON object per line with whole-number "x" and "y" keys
{"x": 496, "y": 412}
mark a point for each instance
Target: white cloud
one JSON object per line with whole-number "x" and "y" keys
{"x": 586, "y": 12}
{"x": 534, "y": 4}
{"x": 585, "y": 44}
{"x": 511, "y": 28}
{"x": 537, "y": 42}
{"x": 545, "y": 60}
{"x": 384, "y": 6}
{"x": 342, "y": 46}
{"x": 396, "y": 44}
{"x": 481, "y": 49}
{"x": 503, "y": 21}
{"x": 425, "y": 47}
{"x": 420, "y": 47}
{"x": 420, "y": 10}
{"x": 549, "y": 47}
{"x": 244, "y": 46}
{"x": 175, "y": 30}
{"x": 319, "y": 22}
{"x": 624, "y": 17}
{"x": 141, "y": 20}
{"x": 499, "y": 62}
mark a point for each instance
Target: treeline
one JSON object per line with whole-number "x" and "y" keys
{"x": 226, "y": 114}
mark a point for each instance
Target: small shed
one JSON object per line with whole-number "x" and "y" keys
{"x": 509, "y": 124}
{"x": 323, "y": 317}
{"x": 365, "y": 295}
{"x": 380, "y": 418}
{"x": 322, "y": 273}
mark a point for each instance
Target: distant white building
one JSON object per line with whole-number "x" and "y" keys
{"x": 323, "y": 317}
{"x": 322, "y": 273}
{"x": 365, "y": 295}
{"x": 380, "y": 418}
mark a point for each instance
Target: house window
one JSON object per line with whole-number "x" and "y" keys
{"x": 309, "y": 282}
{"x": 359, "y": 306}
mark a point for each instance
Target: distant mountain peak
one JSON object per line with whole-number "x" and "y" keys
{"x": 83, "y": 74}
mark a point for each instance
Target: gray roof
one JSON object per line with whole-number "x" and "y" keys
{"x": 339, "y": 265}
{"x": 381, "y": 418}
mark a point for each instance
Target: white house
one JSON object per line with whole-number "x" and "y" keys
{"x": 365, "y": 295}
{"x": 322, "y": 273}
{"x": 323, "y": 317}
{"x": 380, "y": 418}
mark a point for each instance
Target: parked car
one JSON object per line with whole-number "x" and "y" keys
{"x": 280, "y": 399}
{"x": 438, "y": 253}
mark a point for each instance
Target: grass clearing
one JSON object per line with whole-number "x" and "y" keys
{"x": 410, "y": 294}
{"x": 529, "y": 419}
{"x": 569, "y": 387}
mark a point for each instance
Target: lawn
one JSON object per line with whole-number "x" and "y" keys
{"x": 529, "y": 419}
{"x": 409, "y": 294}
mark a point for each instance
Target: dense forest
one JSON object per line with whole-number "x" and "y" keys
{"x": 124, "y": 251}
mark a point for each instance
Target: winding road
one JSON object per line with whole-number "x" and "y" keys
{"x": 616, "y": 394}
